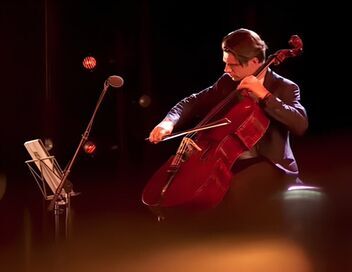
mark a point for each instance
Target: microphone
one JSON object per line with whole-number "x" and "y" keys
{"x": 115, "y": 81}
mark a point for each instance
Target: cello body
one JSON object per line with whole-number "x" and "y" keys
{"x": 203, "y": 177}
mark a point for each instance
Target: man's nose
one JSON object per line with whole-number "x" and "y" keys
{"x": 227, "y": 69}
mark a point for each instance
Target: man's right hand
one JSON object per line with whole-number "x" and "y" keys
{"x": 163, "y": 129}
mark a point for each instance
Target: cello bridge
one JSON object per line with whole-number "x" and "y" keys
{"x": 191, "y": 143}
{"x": 185, "y": 149}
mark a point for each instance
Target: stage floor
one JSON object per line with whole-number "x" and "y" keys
{"x": 109, "y": 229}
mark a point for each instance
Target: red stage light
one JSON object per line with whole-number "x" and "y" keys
{"x": 89, "y": 63}
{"x": 89, "y": 147}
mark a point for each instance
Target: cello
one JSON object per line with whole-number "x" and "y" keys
{"x": 198, "y": 176}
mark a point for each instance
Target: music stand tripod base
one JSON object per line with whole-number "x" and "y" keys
{"x": 48, "y": 176}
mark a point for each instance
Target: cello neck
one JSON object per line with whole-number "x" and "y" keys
{"x": 260, "y": 72}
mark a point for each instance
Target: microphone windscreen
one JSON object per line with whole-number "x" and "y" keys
{"x": 115, "y": 81}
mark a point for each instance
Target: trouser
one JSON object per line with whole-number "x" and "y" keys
{"x": 255, "y": 186}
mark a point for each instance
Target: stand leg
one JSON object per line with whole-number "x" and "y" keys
{"x": 67, "y": 217}
{"x": 57, "y": 221}
{"x": 58, "y": 212}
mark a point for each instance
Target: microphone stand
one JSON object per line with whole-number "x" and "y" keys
{"x": 54, "y": 201}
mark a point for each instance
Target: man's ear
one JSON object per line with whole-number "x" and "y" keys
{"x": 255, "y": 60}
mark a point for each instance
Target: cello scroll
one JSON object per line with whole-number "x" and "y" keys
{"x": 297, "y": 44}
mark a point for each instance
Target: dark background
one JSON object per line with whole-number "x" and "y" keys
{"x": 165, "y": 50}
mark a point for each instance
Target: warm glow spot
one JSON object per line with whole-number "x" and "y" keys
{"x": 272, "y": 254}
{"x": 48, "y": 144}
{"x": 144, "y": 101}
{"x": 2, "y": 184}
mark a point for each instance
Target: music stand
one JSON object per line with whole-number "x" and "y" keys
{"x": 48, "y": 176}
{"x": 50, "y": 171}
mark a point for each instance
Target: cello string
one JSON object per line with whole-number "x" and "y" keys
{"x": 231, "y": 96}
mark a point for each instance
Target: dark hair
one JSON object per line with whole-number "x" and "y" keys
{"x": 244, "y": 44}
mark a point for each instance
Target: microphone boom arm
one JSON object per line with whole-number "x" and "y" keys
{"x": 84, "y": 138}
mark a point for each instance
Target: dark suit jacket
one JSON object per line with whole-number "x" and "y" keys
{"x": 283, "y": 108}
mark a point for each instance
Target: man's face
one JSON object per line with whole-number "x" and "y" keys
{"x": 237, "y": 71}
